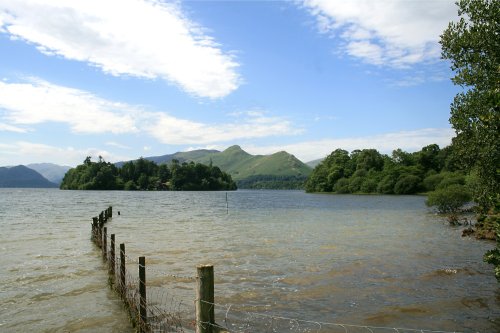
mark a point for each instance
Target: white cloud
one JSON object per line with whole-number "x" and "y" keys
{"x": 116, "y": 144}
{"x": 171, "y": 130}
{"x": 87, "y": 113}
{"x": 10, "y": 128}
{"x": 384, "y": 143}
{"x": 367, "y": 50}
{"x": 148, "y": 39}
{"x": 23, "y": 152}
{"x": 396, "y": 33}
{"x": 38, "y": 101}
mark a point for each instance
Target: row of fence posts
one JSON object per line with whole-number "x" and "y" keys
{"x": 204, "y": 304}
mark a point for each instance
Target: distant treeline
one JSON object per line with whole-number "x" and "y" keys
{"x": 146, "y": 175}
{"x": 368, "y": 171}
{"x": 269, "y": 182}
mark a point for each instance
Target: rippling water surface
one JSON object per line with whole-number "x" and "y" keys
{"x": 365, "y": 260}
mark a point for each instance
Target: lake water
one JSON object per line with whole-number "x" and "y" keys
{"x": 381, "y": 261}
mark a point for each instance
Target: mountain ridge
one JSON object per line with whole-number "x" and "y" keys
{"x": 52, "y": 172}
{"x": 21, "y": 176}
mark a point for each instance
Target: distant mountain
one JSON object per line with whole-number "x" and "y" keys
{"x": 278, "y": 170}
{"x": 180, "y": 156}
{"x": 53, "y": 172}
{"x": 314, "y": 163}
{"x": 21, "y": 176}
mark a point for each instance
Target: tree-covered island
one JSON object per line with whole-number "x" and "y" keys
{"x": 146, "y": 176}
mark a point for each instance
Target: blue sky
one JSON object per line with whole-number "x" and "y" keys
{"x": 131, "y": 78}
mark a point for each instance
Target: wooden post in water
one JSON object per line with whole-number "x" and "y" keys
{"x": 94, "y": 229}
{"x": 205, "y": 315}
{"x": 99, "y": 230}
{"x": 122, "y": 269}
{"x": 99, "y": 237}
{"x": 105, "y": 244}
{"x": 142, "y": 294}
{"x": 112, "y": 257}
{"x": 110, "y": 211}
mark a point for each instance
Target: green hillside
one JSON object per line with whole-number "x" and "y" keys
{"x": 279, "y": 170}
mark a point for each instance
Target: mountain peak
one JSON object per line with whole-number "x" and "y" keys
{"x": 233, "y": 148}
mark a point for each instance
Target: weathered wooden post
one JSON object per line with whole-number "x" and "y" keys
{"x": 110, "y": 211}
{"x": 122, "y": 269}
{"x": 94, "y": 229}
{"x": 112, "y": 257}
{"x": 105, "y": 244}
{"x": 142, "y": 294}
{"x": 205, "y": 315}
{"x": 99, "y": 237}
{"x": 100, "y": 223}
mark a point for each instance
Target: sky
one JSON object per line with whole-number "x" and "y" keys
{"x": 130, "y": 78}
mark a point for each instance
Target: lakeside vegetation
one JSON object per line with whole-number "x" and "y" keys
{"x": 271, "y": 182}
{"x": 472, "y": 47}
{"x": 146, "y": 176}
{"x": 368, "y": 171}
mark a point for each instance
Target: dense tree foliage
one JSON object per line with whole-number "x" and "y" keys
{"x": 270, "y": 182}
{"x": 368, "y": 171}
{"x": 146, "y": 175}
{"x": 450, "y": 199}
{"x": 472, "y": 45}
{"x": 92, "y": 176}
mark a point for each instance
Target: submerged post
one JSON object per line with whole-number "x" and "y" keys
{"x": 142, "y": 294}
{"x": 105, "y": 244}
{"x": 122, "y": 269}
{"x": 112, "y": 257}
{"x": 94, "y": 229}
{"x": 205, "y": 316}
{"x": 99, "y": 236}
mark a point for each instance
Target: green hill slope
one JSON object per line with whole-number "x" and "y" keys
{"x": 278, "y": 170}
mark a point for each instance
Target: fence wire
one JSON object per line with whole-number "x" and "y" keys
{"x": 236, "y": 319}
